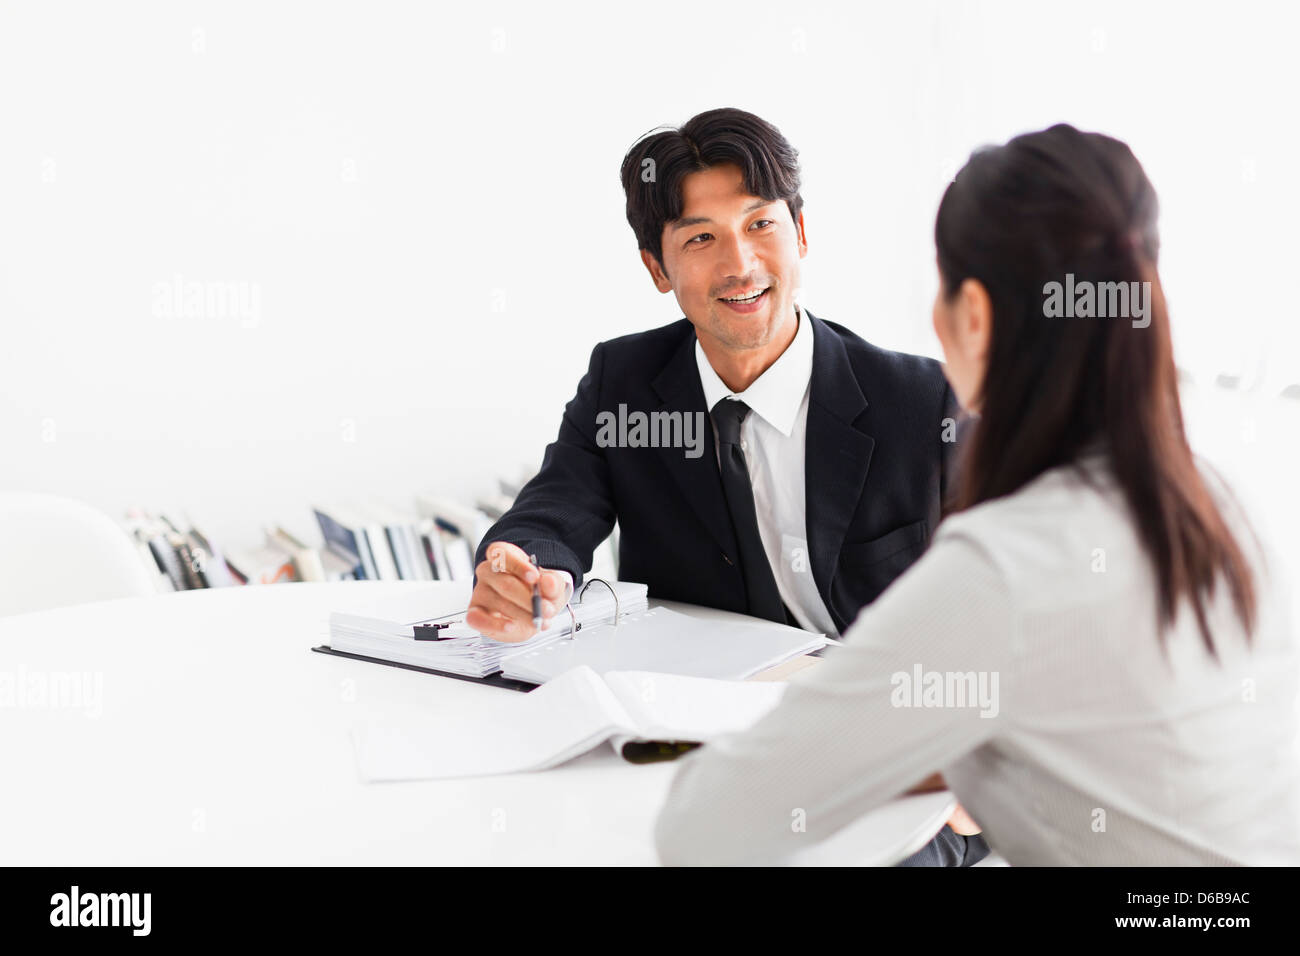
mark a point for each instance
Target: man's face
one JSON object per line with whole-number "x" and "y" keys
{"x": 729, "y": 245}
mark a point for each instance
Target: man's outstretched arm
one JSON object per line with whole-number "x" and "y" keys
{"x": 560, "y": 516}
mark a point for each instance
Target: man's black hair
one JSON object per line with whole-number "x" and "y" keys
{"x": 656, "y": 165}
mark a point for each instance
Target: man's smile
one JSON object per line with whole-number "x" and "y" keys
{"x": 746, "y": 301}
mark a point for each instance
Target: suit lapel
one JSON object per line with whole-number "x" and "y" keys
{"x": 678, "y": 387}
{"x": 836, "y": 454}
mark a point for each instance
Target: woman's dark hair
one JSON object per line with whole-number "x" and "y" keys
{"x": 655, "y": 166}
{"x": 1064, "y": 207}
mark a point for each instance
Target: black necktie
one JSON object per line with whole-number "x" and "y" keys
{"x": 760, "y": 586}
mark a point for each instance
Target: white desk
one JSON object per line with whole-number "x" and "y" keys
{"x": 222, "y": 739}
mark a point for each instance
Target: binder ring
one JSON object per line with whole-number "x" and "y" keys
{"x": 590, "y": 582}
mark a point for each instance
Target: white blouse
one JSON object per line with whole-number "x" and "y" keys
{"x": 1020, "y": 656}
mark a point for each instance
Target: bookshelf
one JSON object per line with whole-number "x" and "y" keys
{"x": 433, "y": 539}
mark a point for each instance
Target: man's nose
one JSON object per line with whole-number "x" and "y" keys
{"x": 738, "y": 257}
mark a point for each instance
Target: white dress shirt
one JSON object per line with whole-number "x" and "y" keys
{"x": 1097, "y": 749}
{"x": 772, "y": 440}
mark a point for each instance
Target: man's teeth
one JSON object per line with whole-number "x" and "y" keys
{"x": 745, "y": 298}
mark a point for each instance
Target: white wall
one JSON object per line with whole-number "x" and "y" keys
{"x": 425, "y": 201}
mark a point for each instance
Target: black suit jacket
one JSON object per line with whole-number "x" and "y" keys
{"x": 875, "y": 472}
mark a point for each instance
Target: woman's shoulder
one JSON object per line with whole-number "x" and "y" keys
{"x": 1066, "y": 527}
{"x": 1082, "y": 492}
{"x": 1070, "y": 535}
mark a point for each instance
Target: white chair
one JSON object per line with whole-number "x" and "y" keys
{"x": 57, "y": 551}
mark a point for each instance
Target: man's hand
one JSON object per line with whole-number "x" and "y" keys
{"x": 501, "y": 606}
{"x": 960, "y": 821}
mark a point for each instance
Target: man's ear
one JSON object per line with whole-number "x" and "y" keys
{"x": 803, "y": 238}
{"x": 656, "y": 271}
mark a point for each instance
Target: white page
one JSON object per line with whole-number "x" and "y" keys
{"x": 672, "y": 707}
{"x": 560, "y": 720}
{"x": 666, "y": 641}
{"x": 395, "y": 613}
{"x": 510, "y": 732}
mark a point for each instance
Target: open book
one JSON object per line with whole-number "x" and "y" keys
{"x": 566, "y": 717}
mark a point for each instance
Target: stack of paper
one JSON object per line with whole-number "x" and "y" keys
{"x": 388, "y": 631}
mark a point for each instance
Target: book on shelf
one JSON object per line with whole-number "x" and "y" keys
{"x": 495, "y": 506}
{"x": 433, "y": 539}
{"x": 183, "y": 557}
{"x": 345, "y": 537}
{"x": 399, "y": 530}
{"x": 461, "y": 520}
{"x": 213, "y": 570}
{"x": 312, "y": 564}
{"x": 269, "y": 563}
{"x": 391, "y": 544}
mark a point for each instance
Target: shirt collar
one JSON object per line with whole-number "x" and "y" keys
{"x": 776, "y": 394}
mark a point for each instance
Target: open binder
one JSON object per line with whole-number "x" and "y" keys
{"x": 397, "y": 632}
{"x": 616, "y": 631}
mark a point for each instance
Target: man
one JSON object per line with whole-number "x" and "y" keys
{"x": 819, "y": 475}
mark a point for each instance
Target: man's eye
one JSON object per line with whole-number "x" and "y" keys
{"x": 764, "y": 222}
{"x": 702, "y": 236}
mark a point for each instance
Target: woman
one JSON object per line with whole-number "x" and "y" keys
{"x": 1090, "y": 651}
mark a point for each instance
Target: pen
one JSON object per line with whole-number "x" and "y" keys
{"x": 537, "y": 594}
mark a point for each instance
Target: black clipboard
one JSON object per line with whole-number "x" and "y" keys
{"x": 496, "y": 679}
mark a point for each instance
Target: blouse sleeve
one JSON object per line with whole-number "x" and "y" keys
{"x": 859, "y": 728}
